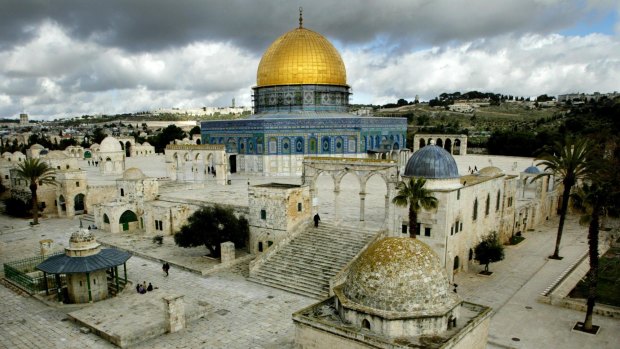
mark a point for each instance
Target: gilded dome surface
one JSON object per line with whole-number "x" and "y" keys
{"x": 301, "y": 56}
{"x": 400, "y": 275}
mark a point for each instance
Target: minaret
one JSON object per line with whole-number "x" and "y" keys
{"x": 23, "y": 119}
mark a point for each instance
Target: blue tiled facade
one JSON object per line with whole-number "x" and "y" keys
{"x": 310, "y": 134}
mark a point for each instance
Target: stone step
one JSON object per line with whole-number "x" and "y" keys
{"x": 318, "y": 272}
{"x": 307, "y": 263}
{"x": 307, "y": 280}
{"x": 291, "y": 289}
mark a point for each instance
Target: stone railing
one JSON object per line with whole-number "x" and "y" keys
{"x": 342, "y": 275}
{"x": 296, "y": 229}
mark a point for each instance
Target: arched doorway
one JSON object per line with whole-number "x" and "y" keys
{"x": 232, "y": 162}
{"x": 62, "y": 204}
{"x": 439, "y": 142}
{"x": 128, "y": 149}
{"x": 422, "y": 143}
{"x": 456, "y": 264}
{"x": 78, "y": 205}
{"x": 128, "y": 220}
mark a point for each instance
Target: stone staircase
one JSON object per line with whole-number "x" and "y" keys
{"x": 307, "y": 263}
{"x": 88, "y": 219}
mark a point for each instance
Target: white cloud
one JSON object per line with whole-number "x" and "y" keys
{"x": 530, "y": 65}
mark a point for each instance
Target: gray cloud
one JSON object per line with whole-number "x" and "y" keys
{"x": 65, "y": 57}
{"x": 151, "y": 25}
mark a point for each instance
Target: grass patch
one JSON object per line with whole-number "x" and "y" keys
{"x": 608, "y": 288}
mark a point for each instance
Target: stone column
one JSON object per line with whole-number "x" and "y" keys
{"x": 46, "y": 246}
{"x": 175, "y": 313}
{"x": 336, "y": 206}
{"x": 227, "y": 252}
{"x": 362, "y": 205}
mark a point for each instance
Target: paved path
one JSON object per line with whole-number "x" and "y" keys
{"x": 516, "y": 283}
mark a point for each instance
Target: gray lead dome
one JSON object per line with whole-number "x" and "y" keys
{"x": 432, "y": 162}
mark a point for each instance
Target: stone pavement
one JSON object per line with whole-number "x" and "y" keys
{"x": 248, "y": 315}
{"x": 518, "y": 320}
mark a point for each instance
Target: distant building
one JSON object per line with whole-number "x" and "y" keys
{"x": 23, "y": 119}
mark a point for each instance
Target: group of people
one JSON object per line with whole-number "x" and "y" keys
{"x": 143, "y": 288}
{"x": 211, "y": 170}
{"x": 474, "y": 170}
{"x": 93, "y": 163}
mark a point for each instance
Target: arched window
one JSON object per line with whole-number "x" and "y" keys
{"x": 366, "y": 324}
{"x": 456, "y": 263}
{"x": 475, "y": 214}
{"x": 286, "y": 146}
{"x": 488, "y": 204}
{"x": 272, "y": 145}
{"x": 497, "y": 202}
{"x": 299, "y": 145}
{"x": 325, "y": 145}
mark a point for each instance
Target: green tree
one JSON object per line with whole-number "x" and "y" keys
{"x": 166, "y": 136}
{"x": 595, "y": 200}
{"x": 36, "y": 173}
{"x": 210, "y": 226}
{"x": 194, "y": 131}
{"x": 488, "y": 251}
{"x": 567, "y": 162}
{"x": 416, "y": 197}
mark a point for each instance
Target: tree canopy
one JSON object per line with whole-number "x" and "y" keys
{"x": 489, "y": 250}
{"x": 416, "y": 197}
{"x": 166, "y": 136}
{"x": 210, "y": 226}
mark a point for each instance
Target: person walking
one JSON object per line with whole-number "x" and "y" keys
{"x": 165, "y": 268}
{"x": 316, "y": 220}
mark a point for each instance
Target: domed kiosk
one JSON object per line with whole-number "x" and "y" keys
{"x": 396, "y": 294}
{"x": 111, "y": 156}
{"x": 90, "y": 272}
{"x": 301, "y": 106}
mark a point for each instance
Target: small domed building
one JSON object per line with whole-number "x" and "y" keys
{"x": 91, "y": 272}
{"x": 396, "y": 295}
{"x": 111, "y": 156}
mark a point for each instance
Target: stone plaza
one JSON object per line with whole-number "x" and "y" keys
{"x": 244, "y": 314}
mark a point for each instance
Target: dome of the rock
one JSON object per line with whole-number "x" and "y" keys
{"x": 301, "y": 56}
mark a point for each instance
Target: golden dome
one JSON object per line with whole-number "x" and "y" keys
{"x": 301, "y": 56}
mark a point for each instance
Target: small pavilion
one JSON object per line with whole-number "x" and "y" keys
{"x": 91, "y": 272}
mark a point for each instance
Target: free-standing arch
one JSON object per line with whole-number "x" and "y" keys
{"x": 362, "y": 169}
{"x": 448, "y": 145}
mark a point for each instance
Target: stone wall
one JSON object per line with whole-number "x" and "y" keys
{"x": 307, "y": 337}
{"x": 77, "y": 286}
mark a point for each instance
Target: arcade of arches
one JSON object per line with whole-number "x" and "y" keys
{"x": 335, "y": 183}
{"x": 454, "y": 144}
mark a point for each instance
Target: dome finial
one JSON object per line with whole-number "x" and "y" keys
{"x": 301, "y": 18}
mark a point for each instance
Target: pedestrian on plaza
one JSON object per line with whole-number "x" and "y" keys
{"x": 165, "y": 268}
{"x": 149, "y": 288}
{"x": 317, "y": 218}
{"x": 213, "y": 171}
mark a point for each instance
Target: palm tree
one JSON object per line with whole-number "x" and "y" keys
{"x": 37, "y": 173}
{"x": 590, "y": 200}
{"x": 414, "y": 195}
{"x": 568, "y": 163}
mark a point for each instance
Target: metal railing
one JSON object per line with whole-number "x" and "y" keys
{"x": 23, "y": 273}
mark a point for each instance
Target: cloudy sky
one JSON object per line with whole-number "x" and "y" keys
{"x": 61, "y": 58}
